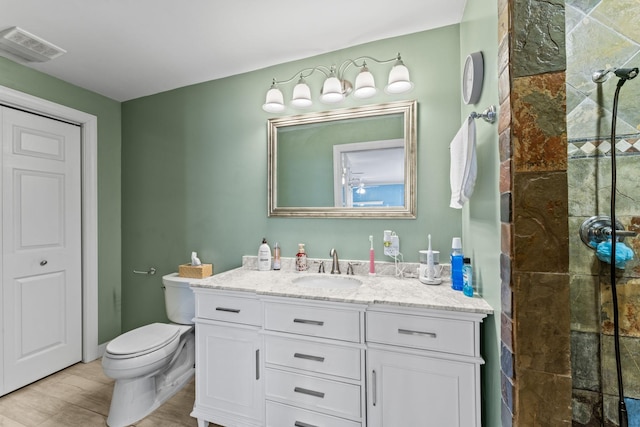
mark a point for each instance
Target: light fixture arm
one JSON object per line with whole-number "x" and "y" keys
{"x": 347, "y": 63}
{"x": 304, "y": 73}
{"x": 338, "y": 70}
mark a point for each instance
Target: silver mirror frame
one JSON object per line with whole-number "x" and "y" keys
{"x": 407, "y": 108}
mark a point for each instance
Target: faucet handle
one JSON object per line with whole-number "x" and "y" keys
{"x": 350, "y": 266}
{"x": 320, "y": 266}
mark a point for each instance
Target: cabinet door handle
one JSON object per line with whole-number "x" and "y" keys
{"x": 257, "y": 364}
{"x": 309, "y": 357}
{"x": 410, "y": 332}
{"x": 309, "y": 322}
{"x": 374, "y": 387}
{"x": 228, "y": 310}
{"x": 309, "y": 392}
{"x": 301, "y": 424}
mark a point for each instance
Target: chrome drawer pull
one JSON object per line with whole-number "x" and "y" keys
{"x": 309, "y": 392}
{"x": 301, "y": 424}
{"x": 309, "y": 357}
{"x": 309, "y": 322}
{"x": 228, "y": 310}
{"x": 410, "y": 332}
{"x": 374, "y": 387}
{"x": 257, "y": 364}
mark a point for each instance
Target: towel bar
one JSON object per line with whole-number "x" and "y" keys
{"x": 489, "y": 115}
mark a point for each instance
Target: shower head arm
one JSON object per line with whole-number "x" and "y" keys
{"x": 601, "y": 76}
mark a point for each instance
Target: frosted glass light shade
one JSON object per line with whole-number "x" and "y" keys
{"x": 274, "y": 102}
{"x": 301, "y": 95}
{"x": 365, "y": 84}
{"x": 399, "y": 81}
{"x": 332, "y": 91}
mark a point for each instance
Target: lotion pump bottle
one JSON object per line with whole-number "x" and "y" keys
{"x": 264, "y": 256}
{"x": 301, "y": 258}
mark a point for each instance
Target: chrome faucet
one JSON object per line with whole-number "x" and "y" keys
{"x": 335, "y": 267}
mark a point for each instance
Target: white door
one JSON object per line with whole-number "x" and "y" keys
{"x": 41, "y": 247}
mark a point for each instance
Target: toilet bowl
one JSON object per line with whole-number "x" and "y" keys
{"x": 153, "y": 362}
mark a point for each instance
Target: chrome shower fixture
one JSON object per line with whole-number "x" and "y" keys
{"x": 601, "y": 76}
{"x": 598, "y": 229}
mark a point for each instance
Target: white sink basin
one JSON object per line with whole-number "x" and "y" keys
{"x": 328, "y": 281}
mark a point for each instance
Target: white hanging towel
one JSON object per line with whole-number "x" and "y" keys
{"x": 464, "y": 165}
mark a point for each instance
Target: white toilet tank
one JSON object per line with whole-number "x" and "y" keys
{"x": 179, "y": 299}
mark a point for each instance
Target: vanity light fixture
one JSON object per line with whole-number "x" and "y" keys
{"x": 335, "y": 87}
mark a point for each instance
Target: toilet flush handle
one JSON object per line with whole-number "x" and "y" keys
{"x": 151, "y": 271}
{"x": 43, "y": 262}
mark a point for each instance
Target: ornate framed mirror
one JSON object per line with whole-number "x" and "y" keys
{"x": 350, "y": 163}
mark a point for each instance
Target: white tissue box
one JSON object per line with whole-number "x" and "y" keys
{"x": 195, "y": 271}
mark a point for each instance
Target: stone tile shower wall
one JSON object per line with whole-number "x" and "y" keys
{"x": 535, "y": 362}
{"x": 600, "y": 34}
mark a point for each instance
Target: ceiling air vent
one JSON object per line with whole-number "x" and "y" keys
{"x": 25, "y": 45}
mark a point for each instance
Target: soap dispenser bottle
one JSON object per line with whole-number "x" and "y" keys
{"x": 301, "y": 258}
{"x": 264, "y": 256}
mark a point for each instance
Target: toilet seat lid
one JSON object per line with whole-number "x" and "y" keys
{"x": 144, "y": 339}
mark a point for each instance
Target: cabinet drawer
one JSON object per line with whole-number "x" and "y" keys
{"x": 313, "y": 321}
{"x": 228, "y": 308}
{"x": 430, "y": 333}
{"x": 283, "y": 415}
{"x": 316, "y": 357}
{"x": 330, "y": 397}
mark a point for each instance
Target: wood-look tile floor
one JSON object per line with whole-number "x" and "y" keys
{"x": 79, "y": 396}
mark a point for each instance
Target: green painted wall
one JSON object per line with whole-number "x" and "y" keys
{"x": 481, "y": 216}
{"x": 188, "y": 169}
{"x": 194, "y": 170}
{"x": 34, "y": 83}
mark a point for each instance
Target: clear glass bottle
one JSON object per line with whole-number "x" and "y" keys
{"x": 467, "y": 278}
{"x": 276, "y": 256}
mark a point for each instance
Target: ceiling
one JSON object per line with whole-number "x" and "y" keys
{"x": 126, "y": 49}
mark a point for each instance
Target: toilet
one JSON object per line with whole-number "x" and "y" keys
{"x": 153, "y": 362}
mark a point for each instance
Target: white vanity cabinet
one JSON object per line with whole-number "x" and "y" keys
{"x": 392, "y": 353}
{"x": 423, "y": 367}
{"x": 314, "y": 363}
{"x": 229, "y": 372}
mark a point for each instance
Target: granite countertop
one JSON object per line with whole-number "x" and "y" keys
{"x": 378, "y": 289}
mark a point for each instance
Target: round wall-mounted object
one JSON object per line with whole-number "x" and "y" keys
{"x": 472, "y": 78}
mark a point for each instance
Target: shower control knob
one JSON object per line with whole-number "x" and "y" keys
{"x": 598, "y": 229}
